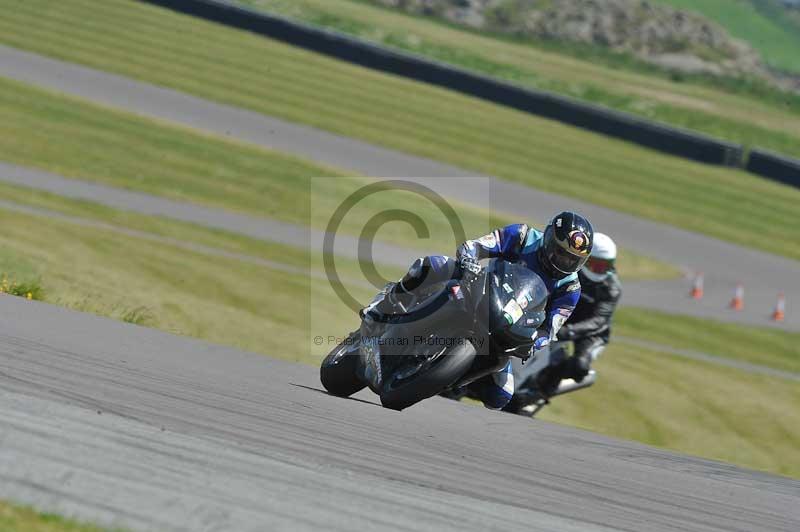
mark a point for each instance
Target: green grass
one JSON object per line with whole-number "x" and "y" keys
{"x": 691, "y": 407}
{"x": 28, "y": 274}
{"x": 20, "y": 518}
{"x": 169, "y": 230}
{"x": 236, "y": 303}
{"x": 22, "y": 258}
{"x": 634, "y": 267}
{"x": 161, "y": 227}
{"x": 765, "y": 346}
{"x": 166, "y": 286}
{"x": 762, "y": 23}
{"x": 76, "y": 139}
{"x": 759, "y": 345}
{"x": 742, "y": 110}
{"x": 27, "y": 288}
{"x": 243, "y": 69}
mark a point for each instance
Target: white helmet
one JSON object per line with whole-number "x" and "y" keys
{"x": 601, "y": 261}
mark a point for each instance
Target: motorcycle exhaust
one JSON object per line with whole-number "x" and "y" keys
{"x": 569, "y": 385}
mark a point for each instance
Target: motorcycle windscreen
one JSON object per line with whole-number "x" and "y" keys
{"x": 518, "y": 302}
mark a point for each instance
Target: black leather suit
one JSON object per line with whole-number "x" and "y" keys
{"x": 589, "y": 326}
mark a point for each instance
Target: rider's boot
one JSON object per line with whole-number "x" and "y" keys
{"x": 548, "y": 380}
{"x": 396, "y": 298}
{"x": 375, "y": 300}
{"x": 391, "y": 299}
{"x": 525, "y": 404}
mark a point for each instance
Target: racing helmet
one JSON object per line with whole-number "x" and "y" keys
{"x": 602, "y": 259}
{"x": 566, "y": 244}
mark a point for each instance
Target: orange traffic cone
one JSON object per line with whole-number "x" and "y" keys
{"x": 737, "y": 303}
{"x": 780, "y": 309}
{"x": 697, "y": 287}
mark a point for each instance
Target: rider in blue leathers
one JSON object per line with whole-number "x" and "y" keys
{"x": 555, "y": 255}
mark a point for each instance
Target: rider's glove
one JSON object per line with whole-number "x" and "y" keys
{"x": 541, "y": 343}
{"x": 470, "y": 266}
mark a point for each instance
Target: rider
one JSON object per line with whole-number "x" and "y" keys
{"x": 555, "y": 255}
{"x": 589, "y": 327}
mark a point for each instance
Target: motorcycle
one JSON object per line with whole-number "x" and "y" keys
{"x": 447, "y": 337}
{"x": 529, "y": 397}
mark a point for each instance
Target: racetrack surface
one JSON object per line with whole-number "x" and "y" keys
{"x": 724, "y": 264}
{"x": 133, "y": 427}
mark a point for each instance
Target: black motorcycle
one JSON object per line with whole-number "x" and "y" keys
{"x": 449, "y": 336}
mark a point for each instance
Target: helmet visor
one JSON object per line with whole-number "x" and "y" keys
{"x": 599, "y": 265}
{"x": 564, "y": 261}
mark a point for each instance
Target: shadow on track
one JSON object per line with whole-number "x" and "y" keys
{"x": 320, "y": 390}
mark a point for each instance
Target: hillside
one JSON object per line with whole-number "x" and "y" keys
{"x": 675, "y": 39}
{"x": 772, "y": 27}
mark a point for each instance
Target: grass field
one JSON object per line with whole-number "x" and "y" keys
{"x": 762, "y": 23}
{"x": 166, "y": 286}
{"x": 36, "y": 249}
{"x": 22, "y": 518}
{"x": 691, "y": 407}
{"x": 125, "y": 271}
{"x": 232, "y": 302}
{"x": 242, "y": 69}
{"x": 296, "y": 259}
{"x": 765, "y": 346}
{"x": 746, "y": 112}
{"x": 77, "y": 139}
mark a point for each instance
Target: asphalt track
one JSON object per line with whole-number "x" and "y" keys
{"x": 129, "y": 426}
{"x": 724, "y": 264}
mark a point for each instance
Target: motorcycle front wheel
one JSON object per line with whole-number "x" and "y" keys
{"x": 339, "y": 370}
{"x": 402, "y": 390}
